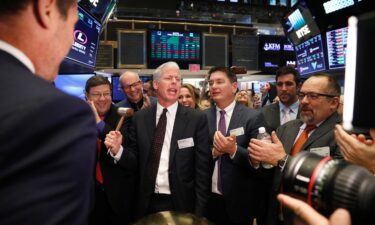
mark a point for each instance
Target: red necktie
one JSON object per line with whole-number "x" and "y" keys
{"x": 302, "y": 139}
{"x": 98, "y": 169}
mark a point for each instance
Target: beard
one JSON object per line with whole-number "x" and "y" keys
{"x": 307, "y": 117}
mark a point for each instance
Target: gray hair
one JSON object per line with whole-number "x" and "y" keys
{"x": 156, "y": 74}
{"x": 126, "y": 74}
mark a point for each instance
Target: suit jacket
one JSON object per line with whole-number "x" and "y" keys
{"x": 189, "y": 168}
{"x": 126, "y": 103}
{"x": 47, "y": 150}
{"x": 271, "y": 114}
{"x": 244, "y": 188}
{"x": 322, "y": 136}
{"x": 119, "y": 183}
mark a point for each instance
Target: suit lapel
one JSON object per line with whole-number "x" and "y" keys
{"x": 235, "y": 119}
{"x": 212, "y": 122}
{"x": 180, "y": 122}
{"x": 324, "y": 128}
{"x": 149, "y": 119}
{"x": 289, "y": 140}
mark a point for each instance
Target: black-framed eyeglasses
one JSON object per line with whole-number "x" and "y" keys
{"x": 135, "y": 84}
{"x": 313, "y": 95}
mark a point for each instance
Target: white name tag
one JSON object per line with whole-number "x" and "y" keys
{"x": 322, "y": 151}
{"x": 185, "y": 143}
{"x": 237, "y": 132}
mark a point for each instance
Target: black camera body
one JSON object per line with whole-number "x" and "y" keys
{"x": 327, "y": 184}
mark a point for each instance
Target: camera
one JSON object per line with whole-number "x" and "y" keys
{"x": 327, "y": 184}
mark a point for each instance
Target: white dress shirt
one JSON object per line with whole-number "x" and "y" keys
{"x": 162, "y": 178}
{"x": 18, "y": 54}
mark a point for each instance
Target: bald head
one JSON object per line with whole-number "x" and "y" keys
{"x": 131, "y": 86}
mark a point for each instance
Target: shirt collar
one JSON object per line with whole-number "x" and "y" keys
{"x": 293, "y": 107}
{"x": 229, "y": 109}
{"x": 172, "y": 109}
{"x": 18, "y": 54}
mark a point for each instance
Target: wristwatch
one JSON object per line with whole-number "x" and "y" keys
{"x": 281, "y": 163}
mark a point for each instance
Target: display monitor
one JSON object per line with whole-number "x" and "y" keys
{"x": 100, "y": 9}
{"x": 299, "y": 25}
{"x": 117, "y": 93}
{"x": 336, "y": 47}
{"x": 73, "y": 84}
{"x": 310, "y": 56}
{"x": 86, "y": 39}
{"x": 174, "y": 45}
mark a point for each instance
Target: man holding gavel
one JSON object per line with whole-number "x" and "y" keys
{"x": 114, "y": 186}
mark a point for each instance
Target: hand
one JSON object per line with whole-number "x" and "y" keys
{"x": 146, "y": 102}
{"x": 305, "y": 214}
{"x": 113, "y": 141}
{"x": 265, "y": 152}
{"x": 356, "y": 149}
{"x": 225, "y": 144}
{"x": 216, "y": 153}
{"x": 92, "y": 105}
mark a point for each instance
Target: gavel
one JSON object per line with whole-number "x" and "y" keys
{"x": 124, "y": 113}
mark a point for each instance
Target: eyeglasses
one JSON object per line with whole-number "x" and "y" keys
{"x": 98, "y": 95}
{"x": 135, "y": 84}
{"x": 313, "y": 95}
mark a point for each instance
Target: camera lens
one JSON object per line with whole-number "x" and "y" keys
{"x": 328, "y": 184}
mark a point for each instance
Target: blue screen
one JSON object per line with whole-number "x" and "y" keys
{"x": 336, "y": 47}
{"x": 117, "y": 93}
{"x": 310, "y": 56}
{"x": 73, "y": 84}
{"x": 86, "y": 37}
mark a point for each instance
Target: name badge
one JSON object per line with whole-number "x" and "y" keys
{"x": 237, "y": 132}
{"x": 322, "y": 151}
{"x": 185, "y": 143}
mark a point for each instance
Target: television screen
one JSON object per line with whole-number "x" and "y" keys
{"x": 299, "y": 25}
{"x": 336, "y": 47}
{"x": 100, "y": 9}
{"x": 73, "y": 84}
{"x": 310, "y": 56}
{"x": 172, "y": 45}
{"x": 117, "y": 93}
{"x": 86, "y": 37}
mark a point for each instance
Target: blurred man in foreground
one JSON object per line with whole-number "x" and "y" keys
{"x": 47, "y": 138}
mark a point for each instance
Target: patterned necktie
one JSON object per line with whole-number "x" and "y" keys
{"x": 223, "y": 130}
{"x": 302, "y": 139}
{"x": 286, "y": 116}
{"x": 157, "y": 145}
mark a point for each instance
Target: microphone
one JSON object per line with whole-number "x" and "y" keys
{"x": 124, "y": 112}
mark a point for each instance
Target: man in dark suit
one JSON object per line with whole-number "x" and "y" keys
{"x": 115, "y": 186}
{"x": 287, "y": 108}
{"x": 132, "y": 87}
{"x": 238, "y": 190}
{"x": 168, "y": 143}
{"x": 314, "y": 132}
{"x": 47, "y": 138}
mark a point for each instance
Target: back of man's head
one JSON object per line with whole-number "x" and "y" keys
{"x": 13, "y": 7}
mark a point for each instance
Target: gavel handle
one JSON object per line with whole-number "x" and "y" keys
{"x": 119, "y": 125}
{"x": 120, "y": 122}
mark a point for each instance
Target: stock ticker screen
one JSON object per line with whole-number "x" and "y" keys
{"x": 336, "y": 47}
{"x": 170, "y": 45}
{"x": 310, "y": 56}
{"x": 86, "y": 37}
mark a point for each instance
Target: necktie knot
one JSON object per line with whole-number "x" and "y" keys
{"x": 309, "y": 128}
{"x": 222, "y": 112}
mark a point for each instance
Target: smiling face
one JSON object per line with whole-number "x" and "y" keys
{"x": 168, "y": 86}
{"x": 186, "y": 98}
{"x": 101, "y": 96}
